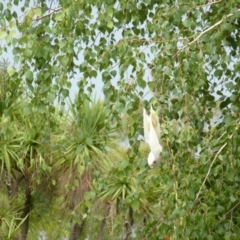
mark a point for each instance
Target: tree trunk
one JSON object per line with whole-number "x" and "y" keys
{"x": 26, "y": 210}
{"x": 129, "y": 224}
{"x": 12, "y": 186}
{"x": 101, "y": 233}
{"x": 103, "y": 223}
{"x": 77, "y": 230}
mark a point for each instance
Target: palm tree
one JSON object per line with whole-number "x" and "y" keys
{"x": 88, "y": 136}
{"x": 127, "y": 188}
{"x": 26, "y": 159}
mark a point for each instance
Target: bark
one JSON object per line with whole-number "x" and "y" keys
{"x": 102, "y": 227}
{"x": 77, "y": 230}
{"x": 77, "y": 196}
{"x": 26, "y": 210}
{"x": 103, "y": 223}
{"x": 11, "y": 183}
{"x": 12, "y": 187}
{"x": 145, "y": 221}
{"x": 129, "y": 224}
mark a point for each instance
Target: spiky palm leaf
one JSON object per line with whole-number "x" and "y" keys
{"x": 26, "y": 137}
{"x": 10, "y": 137}
{"x": 10, "y": 216}
{"x": 88, "y": 136}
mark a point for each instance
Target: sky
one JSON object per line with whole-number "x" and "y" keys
{"x": 74, "y": 89}
{"x": 98, "y": 81}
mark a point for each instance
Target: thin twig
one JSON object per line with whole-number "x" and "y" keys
{"x": 208, "y": 4}
{"x": 204, "y": 32}
{"x": 209, "y": 170}
{"x": 50, "y": 6}
{"x": 199, "y": 6}
{"x": 153, "y": 228}
{"x": 48, "y": 14}
{"x": 228, "y": 213}
{"x": 95, "y": 39}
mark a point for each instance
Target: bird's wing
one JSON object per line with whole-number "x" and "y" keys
{"x": 154, "y": 144}
{"x": 146, "y": 126}
{"x": 155, "y": 122}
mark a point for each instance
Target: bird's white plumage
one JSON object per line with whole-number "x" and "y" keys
{"x": 151, "y": 135}
{"x": 154, "y": 141}
{"x": 155, "y": 122}
{"x": 146, "y": 126}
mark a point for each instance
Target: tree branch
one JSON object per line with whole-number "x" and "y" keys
{"x": 227, "y": 213}
{"x": 209, "y": 170}
{"x": 204, "y": 32}
{"x": 48, "y": 14}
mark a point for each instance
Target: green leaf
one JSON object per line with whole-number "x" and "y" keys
{"x": 8, "y": 14}
{"x": 142, "y": 83}
{"x": 11, "y": 71}
{"x": 53, "y": 182}
{"x": 113, "y": 73}
{"x": 89, "y": 196}
{"x": 26, "y": 110}
{"x": 64, "y": 60}
{"x": 51, "y": 97}
{"x": 41, "y": 108}
{"x": 65, "y": 92}
{"x": 38, "y": 12}
{"x": 230, "y": 175}
{"x": 3, "y": 34}
{"x": 135, "y": 205}
{"x": 225, "y": 103}
{"x": 110, "y": 24}
{"x": 80, "y": 169}
{"x": 109, "y": 12}
{"x": 28, "y": 52}
{"x": 59, "y": 17}
{"x": 93, "y": 73}
{"x": 29, "y": 75}
{"x": 233, "y": 199}
{"x": 55, "y": 69}
{"x": 218, "y": 73}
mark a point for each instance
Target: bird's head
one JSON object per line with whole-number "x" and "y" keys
{"x": 152, "y": 160}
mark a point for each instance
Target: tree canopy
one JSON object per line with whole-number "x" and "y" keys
{"x": 64, "y": 169}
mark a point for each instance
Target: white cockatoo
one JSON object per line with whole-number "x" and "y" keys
{"x": 151, "y": 135}
{"x": 155, "y": 122}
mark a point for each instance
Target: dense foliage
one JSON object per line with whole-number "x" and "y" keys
{"x": 64, "y": 170}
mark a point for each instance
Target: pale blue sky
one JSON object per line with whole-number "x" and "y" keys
{"x": 98, "y": 81}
